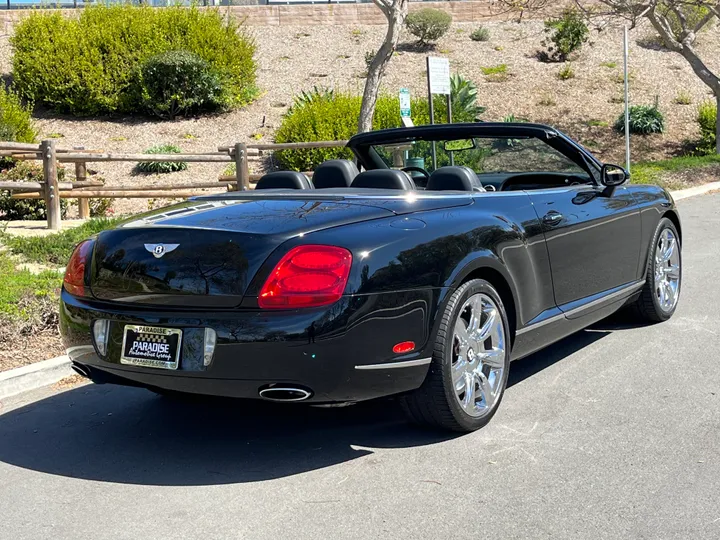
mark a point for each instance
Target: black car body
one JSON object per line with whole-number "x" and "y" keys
{"x": 410, "y": 251}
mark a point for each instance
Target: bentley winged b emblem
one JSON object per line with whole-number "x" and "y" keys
{"x": 158, "y": 250}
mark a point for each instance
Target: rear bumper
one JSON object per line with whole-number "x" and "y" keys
{"x": 341, "y": 353}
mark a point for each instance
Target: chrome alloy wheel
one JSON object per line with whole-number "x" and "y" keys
{"x": 667, "y": 270}
{"x": 478, "y": 355}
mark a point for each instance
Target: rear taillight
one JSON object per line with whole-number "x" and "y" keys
{"x": 307, "y": 276}
{"x": 74, "y": 281}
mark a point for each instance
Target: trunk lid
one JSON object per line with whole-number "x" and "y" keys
{"x": 211, "y": 248}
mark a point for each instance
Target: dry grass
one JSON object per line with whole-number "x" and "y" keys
{"x": 334, "y": 56}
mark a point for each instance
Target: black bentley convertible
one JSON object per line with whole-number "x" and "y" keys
{"x": 420, "y": 268}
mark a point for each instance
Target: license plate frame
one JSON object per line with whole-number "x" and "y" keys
{"x": 156, "y": 337}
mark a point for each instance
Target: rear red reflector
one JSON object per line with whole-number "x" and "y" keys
{"x": 307, "y": 276}
{"x": 404, "y": 347}
{"x": 74, "y": 280}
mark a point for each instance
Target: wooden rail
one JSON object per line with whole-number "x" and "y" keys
{"x": 83, "y": 189}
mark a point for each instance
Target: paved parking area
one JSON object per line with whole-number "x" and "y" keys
{"x": 612, "y": 433}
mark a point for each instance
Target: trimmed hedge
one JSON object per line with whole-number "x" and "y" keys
{"x": 180, "y": 83}
{"x": 90, "y": 65}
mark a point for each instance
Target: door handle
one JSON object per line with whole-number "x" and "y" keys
{"x": 552, "y": 218}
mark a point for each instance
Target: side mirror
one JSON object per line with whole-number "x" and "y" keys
{"x": 613, "y": 175}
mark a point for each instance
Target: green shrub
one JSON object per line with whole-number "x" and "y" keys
{"x": 161, "y": 167}
{"x": 683, "y": 98}
{"x": 566, "y": 72}
{"x": 481, "y": 33}
{"x": 89, "y": 65}
{"x": 177, "y": 83}
{"x": 644, "y": 119}
{"x": 26, "y": 209}
{"x": 428, "y": 24}
{"x": 568, "y": 33}
{"x": 322, "y": 115}
{"x": 328, "y": 118}
{"x": 497, "y": 73}
{"x": 706, "y": 119}
{"x": 15, "y": 118}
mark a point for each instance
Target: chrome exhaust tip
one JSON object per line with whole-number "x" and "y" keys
{"x": 285, "y": 393}
{"x": 81, "y": 370}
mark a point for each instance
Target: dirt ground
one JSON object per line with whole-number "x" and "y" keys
{"x": 292, "y": 59}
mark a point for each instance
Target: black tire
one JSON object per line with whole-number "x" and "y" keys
{"x": 434, "y": 403}
{"x": 647, "y": 307}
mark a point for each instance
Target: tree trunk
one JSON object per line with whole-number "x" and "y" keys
{"x": 395, "y": 14}
{"x": 717, "y": 124}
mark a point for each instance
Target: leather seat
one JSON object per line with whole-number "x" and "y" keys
{"x": 454, "y": 178}
{"x": 384, "y": 179}
{"x": 284, "y": 180}
{"x": 335, "y": 173}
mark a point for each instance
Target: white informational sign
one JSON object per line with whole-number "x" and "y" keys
{"x": 439, "y": 75}
{"x": 405, "y": 107}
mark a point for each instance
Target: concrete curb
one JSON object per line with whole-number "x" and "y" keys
{"x": 34, "y": 376}
{"x": 681, "y": 194}
{"x": 26, "y": 378}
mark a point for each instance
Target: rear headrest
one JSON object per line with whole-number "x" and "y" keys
{"x": 335, "y": 173}
{"x": 284, "y": 180}
{"x": 454, "y": 178}
{"x": 383, "y": 179}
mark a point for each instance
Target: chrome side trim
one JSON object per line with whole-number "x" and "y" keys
{"x": 625, "y": 291}
{"x": 393, "y": 365}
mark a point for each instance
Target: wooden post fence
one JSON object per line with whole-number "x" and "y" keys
{"x": 242, "y": 173}
{"x": 52, "y": 198}
{"x": 81, "y": 176}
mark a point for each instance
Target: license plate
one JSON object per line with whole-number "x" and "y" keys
{"x": 150, "y": 346}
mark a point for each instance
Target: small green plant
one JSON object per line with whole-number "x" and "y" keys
{"x": 463, "y": 95}
{"x": 547, "y": 100}
{"x": 683, "y": 98}
{"x": 256, "y": 136}
{"x": 566, "y": 72}
{"x": 706, "y": 119}
{"x": 162, "y": 167}
{"x": 344, "y": 56}
{"x": 617, "y": 99}
{"x": 300, "y": 35}
{"x": 55, "y": 136}
{"x": 499, "y": 48}
{"x": 609, "y": 65}
{"x": 481, "y": 33}
{"x": 597, "y": 123}
{"x": 119, "y": 138}
{"x": 644, "y": 120}
{"x": 180, "y": 83}
{"x": 188, "y": 136}
{"x": 16, "y": 122}
{"x": 428, "y": 24}
{"x": 512, "y": 119}
{"x": 317, "y": 93}
{"x": 497, "y": 73}
{"x": 459, "y": 30}
{"x": 566, "y": 35}
{"x": 356, "y": 32}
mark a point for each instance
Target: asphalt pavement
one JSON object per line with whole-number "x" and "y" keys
{"x": 612, "y": 433}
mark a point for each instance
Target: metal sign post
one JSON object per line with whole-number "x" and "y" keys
{"x": 438, "y": 77}
{"x": 627, "y": 102}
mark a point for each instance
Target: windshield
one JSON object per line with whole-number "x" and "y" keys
{"x": 484, "y": 155}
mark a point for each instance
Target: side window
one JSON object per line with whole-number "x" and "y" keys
{"x": 528, "y": 155}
